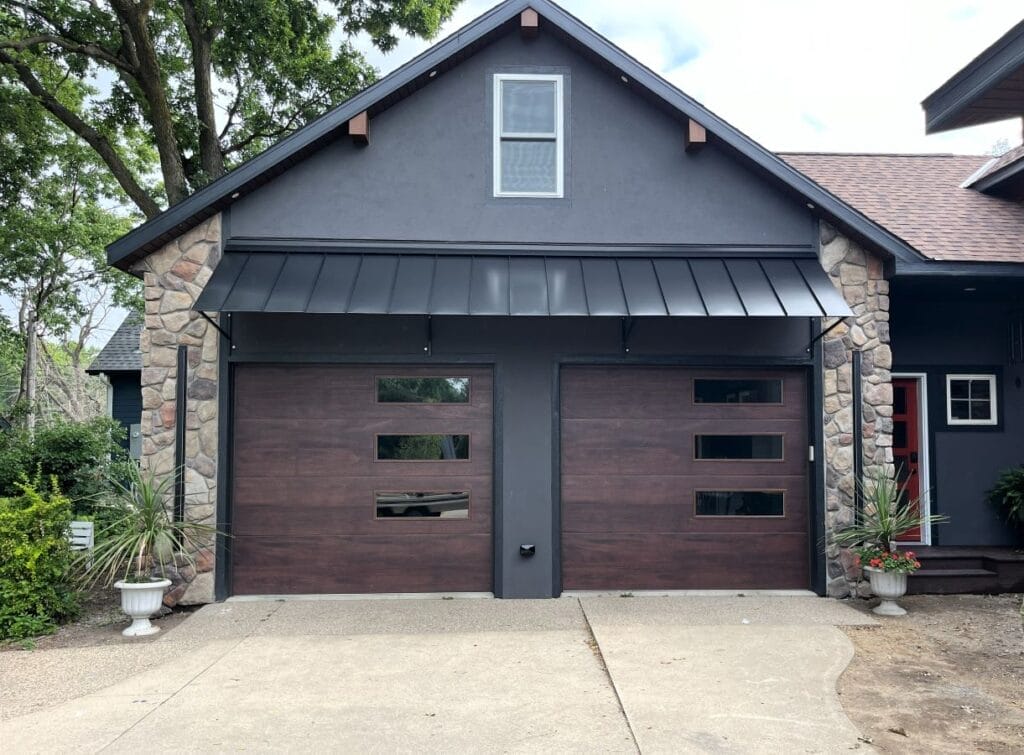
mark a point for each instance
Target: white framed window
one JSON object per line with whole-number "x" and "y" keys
{"x": 971, "y": 400}
{"x": 529, "y": 149}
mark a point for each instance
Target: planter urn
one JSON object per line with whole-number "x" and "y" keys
{"x": 890, "y": 586}
{"x": 140, "y": 600}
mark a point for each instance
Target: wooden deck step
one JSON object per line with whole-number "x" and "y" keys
{"x": 952, "y": 581}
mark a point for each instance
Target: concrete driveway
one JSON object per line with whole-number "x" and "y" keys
{"x": 604, "y": 674}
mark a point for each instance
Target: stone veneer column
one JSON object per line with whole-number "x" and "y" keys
{"x": 859, "y": 274}
{"x": 174, "y": 277}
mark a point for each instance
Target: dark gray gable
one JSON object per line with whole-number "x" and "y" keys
{"x": 121, "y": 353}
{"x": 448, "y": 53}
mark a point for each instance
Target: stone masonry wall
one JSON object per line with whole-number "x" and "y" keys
{"x": 174, "y": 277}
{"x": 860, "y": 276}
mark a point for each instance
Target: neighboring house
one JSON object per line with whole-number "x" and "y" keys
{"x": 523, "y": 318}
{"x": 120, "y": 362}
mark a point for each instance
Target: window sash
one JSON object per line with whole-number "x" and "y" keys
{"x": 501, "y": 136}
{"x": 971, "y": 400}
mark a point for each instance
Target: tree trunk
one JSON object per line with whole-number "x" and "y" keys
{"x": 30, "y": 377}
{"x": 211, "y": 158}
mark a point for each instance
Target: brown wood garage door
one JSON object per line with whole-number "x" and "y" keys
{"x": 314, "y": 510}
{"x": 683, "y": 479}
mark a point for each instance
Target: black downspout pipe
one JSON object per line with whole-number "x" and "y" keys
{"x": 180, "y": 393}
{"x": 858, "y": 432}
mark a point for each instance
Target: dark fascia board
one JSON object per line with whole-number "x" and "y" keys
{"x": 455, "y": 248}
{"x": 91, "y": 371}
{"x": 1000, "y": 270}
{"x": 990, "y": 183}
{"x": 219, "y": 194}
{"x": 943, "y": 107}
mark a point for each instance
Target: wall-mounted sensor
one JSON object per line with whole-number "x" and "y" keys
{"x": 526, "y": 550}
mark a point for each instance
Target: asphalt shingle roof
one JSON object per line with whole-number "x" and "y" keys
{"x": 921, "y": 199}
{"x": 121, "y": 354}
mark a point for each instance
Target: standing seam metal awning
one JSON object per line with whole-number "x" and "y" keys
{"x": 425, "y": 284}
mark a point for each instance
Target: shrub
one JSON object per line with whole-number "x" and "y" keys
{"x": 82, "y": 456}
{"x": 36, "y": 590}
{"x": 1008, "y": 495}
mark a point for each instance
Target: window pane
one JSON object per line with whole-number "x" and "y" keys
{"x": 960, "y": 409}
{"x": 443, "y": 505}
{"x": 741, "y": 447}
{"x": 899, "y": 434}
{"x": 981, "y": 410}
{"x": 740, "y": 391}
{"x": 422, "y": 447}
{"x": 980, "y": 389}
{"x": 899, "y": 400}
{"x": 739, "y": 503}
{"x": 423, "y": 390}
{"x": 528, "y": 107}
{"x": 959, "y": 388}
{"x": 529, "y": 167}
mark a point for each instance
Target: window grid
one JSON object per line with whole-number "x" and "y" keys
{"x": 973, "y": 395}
{"x": 503, "y": 137}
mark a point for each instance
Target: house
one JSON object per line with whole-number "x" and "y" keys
{"x": 120, "y": 363}
{"x": 524, "y": 318}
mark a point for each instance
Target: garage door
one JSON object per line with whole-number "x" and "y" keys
{"x": 361, "y": 479}
{"x": 683, "y": 479}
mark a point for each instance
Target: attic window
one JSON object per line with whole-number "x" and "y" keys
{"x": 528, "y": 139}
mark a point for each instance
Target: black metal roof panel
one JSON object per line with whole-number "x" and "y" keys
{"x": 415, "y": 74}
{"x": 121, "y": 353}
{"x": 490, "y": 285}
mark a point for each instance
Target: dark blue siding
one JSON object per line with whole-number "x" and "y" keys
{"x": 127, "y": 400}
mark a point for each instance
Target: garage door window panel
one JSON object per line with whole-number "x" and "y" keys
{"x": 738, "y": 447}
{"x": 418, "y": 504}
{"x": 422, "y": 447}
{"x": 731, "y": 391}
{"x": 740, "y": 503}
{"x": 422, "y": 390}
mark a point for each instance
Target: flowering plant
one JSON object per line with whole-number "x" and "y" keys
{"x": 888, "y": 561}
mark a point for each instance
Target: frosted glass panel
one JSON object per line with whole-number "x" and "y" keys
{"x": 529, "y": 167}
{"x": 528, "y": 107}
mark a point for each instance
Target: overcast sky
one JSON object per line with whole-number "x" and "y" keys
{"x": 830, "y": 75}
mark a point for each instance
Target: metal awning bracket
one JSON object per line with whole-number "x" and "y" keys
{"x": 627, "y": 331}
{"x": 824, "y": 333}
{"x": 215, "y": 325}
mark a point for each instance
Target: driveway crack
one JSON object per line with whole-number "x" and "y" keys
{"x": 596, "y": 647}
{"x": 195, "y": 676}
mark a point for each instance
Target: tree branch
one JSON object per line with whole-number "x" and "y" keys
{"x": 88, "y": 133}
{"x": 88, "y": 49}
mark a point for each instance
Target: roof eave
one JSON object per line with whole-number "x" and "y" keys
{"x": 946, "y": 104}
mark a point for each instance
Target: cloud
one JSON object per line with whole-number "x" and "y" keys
{"x": 801, "y": 74}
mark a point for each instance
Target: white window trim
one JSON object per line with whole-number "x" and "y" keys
{"x": 559, "y": 191}
{"x": 993, "y": 400}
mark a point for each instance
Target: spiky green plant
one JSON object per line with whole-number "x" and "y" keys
{"x": 1008, "y": 495}
{"x": 141, "y": 538}
{"x": 885, "y": 515}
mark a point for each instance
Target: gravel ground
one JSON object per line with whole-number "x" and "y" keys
{"x": 946, "y": 678}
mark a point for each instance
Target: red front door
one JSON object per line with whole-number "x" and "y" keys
{"x": 906, "y": 444}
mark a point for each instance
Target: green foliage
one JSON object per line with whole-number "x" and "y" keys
{"x": 159, "y": 72}
{"x": 887, "y": 513}
{"x": 1008, "y": 495}
{"x": 425, "y": 390}
{"x": 80, "y": 456}
{"x": 36, "y": 591}
{"x": 141, "y": 539}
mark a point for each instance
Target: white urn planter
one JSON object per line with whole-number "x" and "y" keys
{"x": 890, "y": 586}
{"x": 140, "y": 600}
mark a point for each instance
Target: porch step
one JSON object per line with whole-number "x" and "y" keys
{"x": 952, "y": 581}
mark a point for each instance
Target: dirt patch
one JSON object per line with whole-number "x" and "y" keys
{"x": 948, "y": 677}
{"x": 99, "y": 623}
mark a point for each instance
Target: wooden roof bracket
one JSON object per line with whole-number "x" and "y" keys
{"x": 359, "y": 128}
{"x": 695, "y": 137}
{"x": 529, "y": 23}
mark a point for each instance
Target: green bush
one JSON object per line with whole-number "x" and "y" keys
{"x": 36, "y": 591}
{"x": 1008, "y": 495}
{"x": 82, "y": 456}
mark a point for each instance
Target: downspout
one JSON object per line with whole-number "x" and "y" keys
{"x": 180, "y": 413}
{"x": 858, "y": 432}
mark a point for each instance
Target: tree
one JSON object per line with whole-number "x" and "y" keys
{"x": 161, "y": 69}
{"x": 55, "y": 220}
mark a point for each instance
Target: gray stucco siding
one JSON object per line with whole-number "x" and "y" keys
{"x": 943, "y": 336}
{"x": 526, "y": 354}
{"x": 426, "y": 174}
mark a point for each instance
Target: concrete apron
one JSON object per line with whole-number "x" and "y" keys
{"x": 478, "y": 676}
